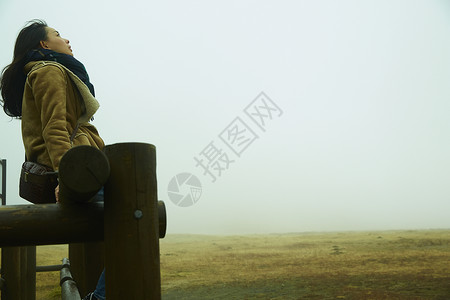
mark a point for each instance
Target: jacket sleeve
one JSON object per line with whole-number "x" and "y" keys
{"x": 49, "y": 86}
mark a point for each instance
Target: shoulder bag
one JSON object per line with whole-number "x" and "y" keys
{"x": 38, "y": 182}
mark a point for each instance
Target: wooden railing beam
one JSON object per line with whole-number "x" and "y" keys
{"x": 49, "y": 224}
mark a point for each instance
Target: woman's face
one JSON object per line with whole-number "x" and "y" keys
{"x": 56, "y": 43}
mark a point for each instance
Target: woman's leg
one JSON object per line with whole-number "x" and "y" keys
{"x": 100, "y": 289}
{"x": 100, "y": 292}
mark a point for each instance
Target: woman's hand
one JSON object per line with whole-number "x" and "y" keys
{"x": 57, "y": 193}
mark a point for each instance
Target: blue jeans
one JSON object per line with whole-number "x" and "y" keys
{"x": 100, "y": 289}
{"x": 100, "y": 292}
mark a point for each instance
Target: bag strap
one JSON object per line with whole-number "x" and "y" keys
{"x": 72, "y": 136}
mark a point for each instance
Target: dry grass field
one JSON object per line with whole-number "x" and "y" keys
{"x": 347, "y": 265}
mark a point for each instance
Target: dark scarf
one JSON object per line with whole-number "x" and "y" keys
{"x": 66, "y": 60}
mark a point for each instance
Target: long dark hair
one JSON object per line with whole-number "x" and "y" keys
{"x": 13, "y": 77}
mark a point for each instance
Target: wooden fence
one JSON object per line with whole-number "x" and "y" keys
{"x": 121, "y": 235}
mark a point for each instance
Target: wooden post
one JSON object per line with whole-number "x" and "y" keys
{"x": 31, "y": 272}
{"x": 23, "y": 272}
{"x": 11, "y": 273}
{"x": 25, "y": 288}
{"x": 19, "y": 273}
{"x": 87, "y": 263}
{"x": 3, "y": 176}
{"x": 27, "y": 274}
{"x": 131, "y": 223}
{"x": 83, "y": 171}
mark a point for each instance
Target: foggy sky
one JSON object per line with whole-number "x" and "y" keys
{"x": 362, "y": 142}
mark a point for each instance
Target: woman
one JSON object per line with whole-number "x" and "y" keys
{"x": 50, "y": 91}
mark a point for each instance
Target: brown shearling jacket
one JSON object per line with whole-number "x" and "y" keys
{"x": 54, "y": 101}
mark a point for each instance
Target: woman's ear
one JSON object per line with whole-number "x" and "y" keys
{"x": 43, "y": 44}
